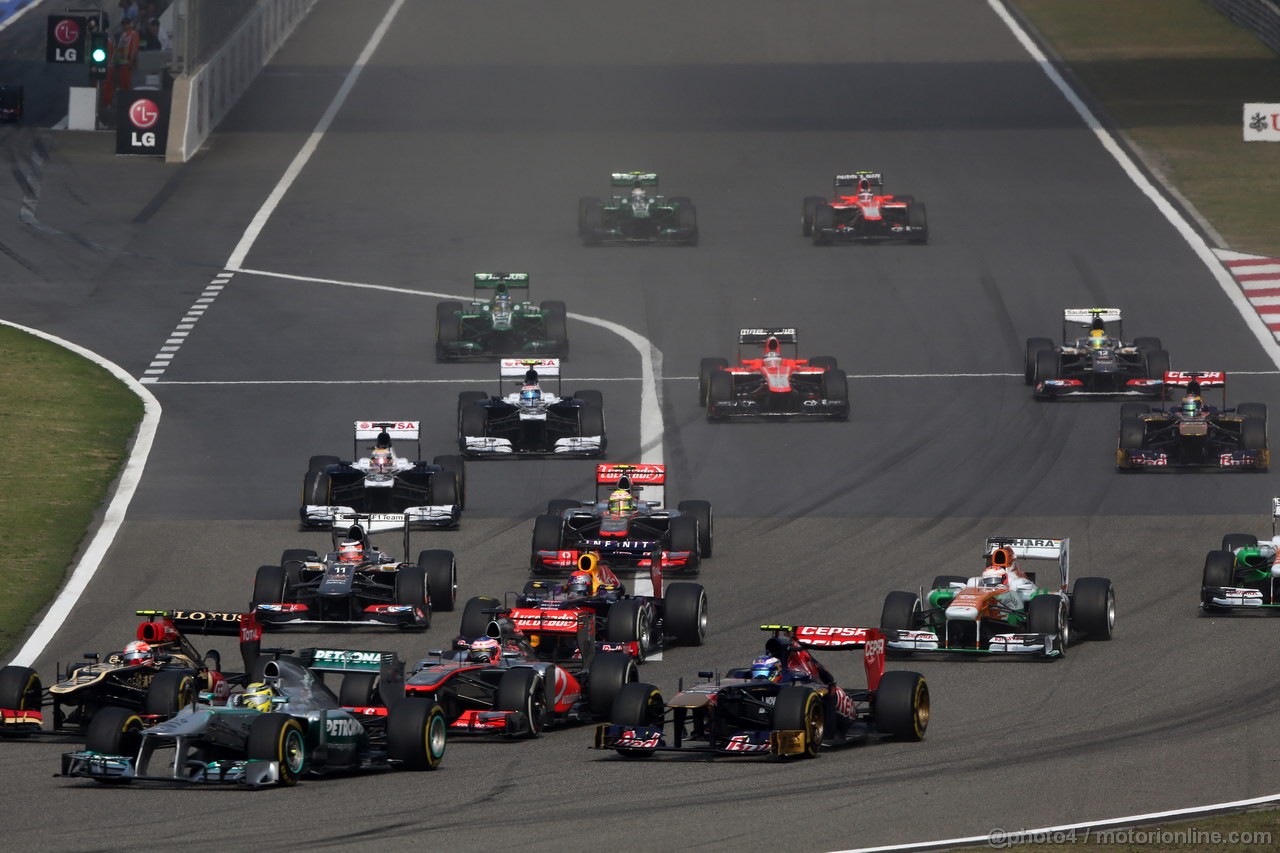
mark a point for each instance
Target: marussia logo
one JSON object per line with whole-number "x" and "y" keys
{"x": 66, "y": 31}
{"x": 144, "y": 114}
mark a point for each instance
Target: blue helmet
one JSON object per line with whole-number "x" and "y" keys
{"x": 1191, "y": 405}
{"x": 766, "y": 668}
{"x": 530, "y": 394}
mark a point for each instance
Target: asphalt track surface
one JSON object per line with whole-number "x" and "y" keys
{"x": 464, "y": 147}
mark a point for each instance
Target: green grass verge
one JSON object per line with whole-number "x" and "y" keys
{"x": 65, "y": 424}
{"x": 1174, "y": 76}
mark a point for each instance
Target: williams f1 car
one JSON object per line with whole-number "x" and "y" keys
{"x": 1243, "y": 575}
{"x": 637, "y": 217}
{"x": 393, "y": 489}
{"x": 864, "y": 215}
{"x": 530, "y": 421}
{"x": 497, "y": 324}
{"x": 786, "y": 703}
{"x": 304, "y": 728}
{"x": 626, "y": 524}
{"x": 773, "y": 381}
{"x": 1002, "y": 610}
{"x": 1095, "y": 363}
{"x": 355, "y": 584}
{"x": 1189, "y": 433}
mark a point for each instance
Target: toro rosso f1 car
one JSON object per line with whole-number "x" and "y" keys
{"x": 793, "y": 708}
{"x": 773, "y": 381}
{"x": 637, "y": 217}
{"x": 1095, "y": 363}
{"x": 628, "y": 531}
{"x": 1002, "y": 610}
{"x": 530, "y": 421}
{"x": 1191, "y": 433}
{"x": 1243, "y": 575}
{"x": 497, "y": 323}
{"x": 292, "y": 725}
{"x": 391, "y": 488}
{"x": 864, "y": 215}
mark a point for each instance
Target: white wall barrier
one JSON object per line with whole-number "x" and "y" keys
{"x": 203, "y": 98}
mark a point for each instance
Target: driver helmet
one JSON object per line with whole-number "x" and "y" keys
{"x": 637, "y": 194}
{"x": 350, "y": 552}
{"x": 381, "y": 461}
{"x": 579, "y": 584}
{"x": 866, "y": 196}
{"x": 993, "y": 576}
{"x": 484, "y": 650}
{"x": 138, "y": 653}
{"x": 530, "y": 395}
{"x": 766, "y": 668}
{"x": 1098, "y": 339}
{"x": 257, "y": 696}
{"x": 1192, "y": 405}
{"x": 772, "y": 358}
{"x": 620, "y": 500}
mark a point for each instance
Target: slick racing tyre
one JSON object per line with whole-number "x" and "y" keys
{"x": 700, "y": 510}
{"x": 279, "y": 737}
{"x": 269, "y": 586}
{"x": 826, "y": 362}
{"x": 901, "y": 611}
{"x": 682, "y": 534}
{"x": 684, "y": 613}
{"x": 1133, "y": 434}
{"x": 1034, "y": 345}
{"x": 719, "y": 390}
{"x": 917, "y": 217}
{"x": 547, "y": 534}
{"x": 1253, "y": 434}
{"x": 1047, "y": 614}
{"x": 557, "y": 506}
{"x": 591, "y": 421}
{"x": 411, "y": 589}
{"x": 477, "y": 615}
{"x": 114, "y": 731}
{"x": 1146, "y": 345}
{"x": 553, "y": 326}
{"x": 448, "y": 326}
{"x": 707, "y": 368}
{"x": 441, "y": 570}
{"x": 1157, "y": 362}
{"x": 1219, "y": 571}
{"x": 1093, "y": 608}
{"x": 358, "y": 690}
{"x": 901, "y": 705}
{"x": 638, "y": 704}
{"x": 1252, "y": 410}
{"x": 1048, "y": 365}
{"x": 591, "y": 221}
{"x": 824, "y": 220}
{"x": 1134, "y": 410}
{"x": 522, "y": 689}
{"x": 609, "y": 671}
{"x": 169, "y": 692}
{"x": 457, "y": 466}
{"x": 808, "y": 208}
{"x": 1232, "y": 542}
{"x": 800, "y": 709}
{"x": 416, "y": 734}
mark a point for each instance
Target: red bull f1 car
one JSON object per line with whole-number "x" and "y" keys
{"x": 795, "y": 708}
{"x": 1192, "y": 433}
{"x": 627, "y": 523}
{"x": 858, "y": 213}
{"x": 1243, "y": 576}
{"x": 773, "y": 381}
{"x": 1094, "y": 359}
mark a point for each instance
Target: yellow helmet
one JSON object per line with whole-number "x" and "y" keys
{"x": 258, "y": 696}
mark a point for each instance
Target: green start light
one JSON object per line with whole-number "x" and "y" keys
{"x": 99, "y": 54}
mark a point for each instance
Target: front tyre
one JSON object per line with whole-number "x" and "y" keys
{"x": 279, "y": 738}
{"x": 416, "y": 734}
{"x": 902, "y": 705}
{"x": 800, "y": 709}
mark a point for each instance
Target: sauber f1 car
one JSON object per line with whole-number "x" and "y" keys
{"x": 752, "y": 711}
{"x": 1243, "y": 575}
{"x": 554, "y": 673}
{"x": 773, "y": 381}
{"x": 303, "y": 727}
{"x": 391, "y": 487}
{"x": 628, "y": 531}
{"x": 355, "y": 584}
{"x": 1096, "y": 362}
{"x": 637, "y": 217}
{"x": 497, "y": 324}
{"x": 863, "y": 215}
{"x": 530, "y": 421}
{"x": 1002, "y": 610}
{"x": 153, "y": 677}
{"x": 1190, "y": 433}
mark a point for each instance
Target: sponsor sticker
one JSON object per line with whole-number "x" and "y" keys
{"x": 1262, "y": 122}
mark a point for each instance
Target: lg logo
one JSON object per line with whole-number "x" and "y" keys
{"x": 66, "y": 33}
{"x": 143, "y": 115}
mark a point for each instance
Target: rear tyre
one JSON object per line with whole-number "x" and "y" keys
{"x": 1157, "y": 362}
{"x": 477, "y": 615}
{"x": 441, "y": 570}
{"x": 609, "y": 671}
{"x": 800, "y": 709}
{"x": 808, "y": 208}
{"x": 902, "y": 705}
{"x": 557, "y": 506}
{"x": 522, "y": 689}
{"x": 1034, "y": 346}
{"x": 279, "y": 737}
{"x": 708, "y": 368}
{"x": 945, "y": 581}
{"x": 590, "y": 397}
{"x": 1093, "y": 608}
{"x": 683, "y": 532}
{"x": 901, "y": 611}
{"x": 358, "y": 690}
{"x": 1146, "y": 345}
{"x": 826, "y": 362}
{"x": 268, "y": 586}
{"x": 448, "y": 326}
{"x": 701, "y": 511}
{"x": 918, "y": 217}
{"x": 591, "y": 421}
{"x": 457, "y": 466}
{"x": 684, "y": 613}
{"x": 1134, "y": 410}
{"x": 411, "y": 589}
{"x": 638, "y": 704}
{"x": 1233, "y": 541}
{"x": 1132, "y": 434}
{"x": 114, "y": 731}
{"x": 416, "y": 734}
{"x": 169, "y": 692}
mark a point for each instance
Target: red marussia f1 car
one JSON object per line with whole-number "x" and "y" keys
{"x": 785, "y": 703}
{"x": 628, "y": 531}
{"x": 865, "y": 216}
{"x": 774, "y": 383}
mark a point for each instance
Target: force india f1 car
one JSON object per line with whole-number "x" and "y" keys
{"x": 1191, "y": 434}
{"x": 1243, "y": 575}
{"x": 308, "y": 729}
{"x": 496, "y": 324}
{"x": 530, "y": 421}
{"x": 1095, "y": 363}
{"x": 628, "y": 532}
{"x": 796, "y": 712}
{"x": 355, "y": 584}
{"x": 637, "y": 217}
{"x": 153, "y": 677}
{"x": 777, "y": 383}
{"x": 537, "y": 673}
{"x": 1003, "y": 611}
{"x": 391, "y": 488}
{"x": 863, "y": 216}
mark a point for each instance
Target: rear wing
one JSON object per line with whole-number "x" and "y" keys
{"x": 644, "y": 474}
{"x": 1036, "y": 549}
{"x": 245, "y": 625}
{"x": 632, "y": 179}
{"x": 382, "y": 433}
{"x": 513, "y": 368}
{"x": 839, "y": 638}
{"x": 760, "y": 336}
{"x": 1088, "y": 315}
{"x": 496, "y": 280}
{"x": 1204, "y": 378}
{"x": 853, "y": 179}
{"x": 337, "y": 518}
{"x": 1076, "y": 319}
{"x": 344, "y": 660}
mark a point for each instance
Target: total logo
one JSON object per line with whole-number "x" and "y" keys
{"x": 143, "y": 115}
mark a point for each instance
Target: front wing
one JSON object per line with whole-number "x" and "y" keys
{"x": 1044, "y": 645}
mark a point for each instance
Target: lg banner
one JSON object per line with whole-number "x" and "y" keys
{"x": 142, "y": 122}
{"x": 64, "y": 39}
{"x": 1262, "y": 122}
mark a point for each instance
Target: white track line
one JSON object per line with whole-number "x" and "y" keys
{"x": 88, "y": 565}
{"x": 160, "y": 361}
